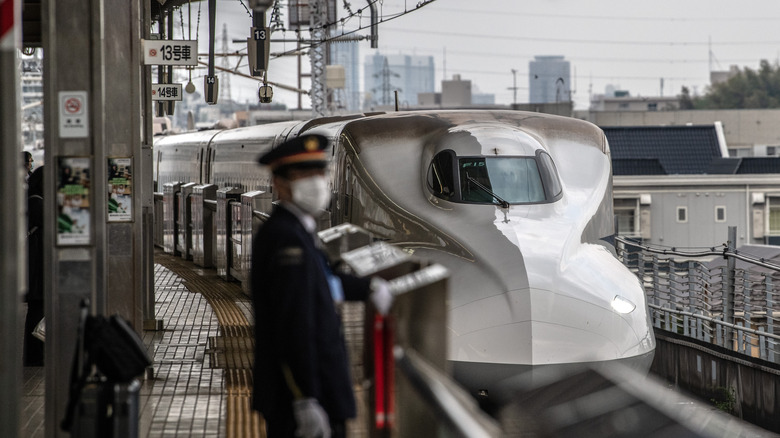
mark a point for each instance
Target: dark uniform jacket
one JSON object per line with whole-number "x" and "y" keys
{"x": 35, "y": 241}
{"x": 296, "y": 324}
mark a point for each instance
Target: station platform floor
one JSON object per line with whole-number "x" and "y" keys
{"x": 201, "y": 381}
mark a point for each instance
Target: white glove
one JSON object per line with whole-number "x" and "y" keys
{"x": 381, "y": 295}
{"x": 311, "y": 419}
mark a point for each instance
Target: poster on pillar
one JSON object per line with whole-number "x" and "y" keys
{"x": 120, "y": 190}
{"x": 73, "y": 215}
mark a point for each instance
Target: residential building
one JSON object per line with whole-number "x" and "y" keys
{"x": 455, "y": 93}
{"x": 626, "y": 102}
{"x": 676, "y": 186}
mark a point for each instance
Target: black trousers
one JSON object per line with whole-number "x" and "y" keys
{"x": 33, "y": 347}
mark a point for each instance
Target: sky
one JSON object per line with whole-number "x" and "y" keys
{"x": 648, "y": 48}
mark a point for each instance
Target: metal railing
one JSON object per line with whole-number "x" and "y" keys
{"x": 708, "y": 296}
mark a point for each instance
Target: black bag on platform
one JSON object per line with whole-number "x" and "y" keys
{"x": 107, "y": 410}
{"x": 115, "y": 348}
{"x": 103, "y": 390}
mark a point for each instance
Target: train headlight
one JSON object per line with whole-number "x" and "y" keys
{"x": 622, "y": 305}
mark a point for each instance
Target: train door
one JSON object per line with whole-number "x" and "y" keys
{"x": 207, "y": 166}
{"x": 156, "y": 171}
{"x": 342, "y": 192}
{"x": 199, "y": 159}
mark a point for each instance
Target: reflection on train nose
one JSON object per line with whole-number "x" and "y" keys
{"x": 545, "y": 330}
{"x": 622, "y": 305}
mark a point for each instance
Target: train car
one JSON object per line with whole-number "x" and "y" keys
{"x": 518, "y": 207}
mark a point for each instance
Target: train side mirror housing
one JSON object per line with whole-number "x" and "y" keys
{"x": 265, "y": 94}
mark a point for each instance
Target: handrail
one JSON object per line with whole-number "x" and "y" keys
{"x": 725, "y": 253}
{"x": 674, "y": 290}
{"x": 715, "y": 320}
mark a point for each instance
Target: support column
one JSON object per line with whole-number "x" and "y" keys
{"x": 123, "y": 140}
{"x": 144, "y": 182}
{"x": 92, "y": 106}
{"x": 12, "y": 221}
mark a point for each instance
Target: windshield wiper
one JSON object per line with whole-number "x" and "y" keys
{"x": 500, "y": 200}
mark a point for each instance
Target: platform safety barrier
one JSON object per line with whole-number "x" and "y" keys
{"x": 211, "y": 226}
{"x": 254, "y": 208}
{"x": 202, "y": 219}
{"x": 184, "y": 223}
{"x": 170, "y": 215}
{"x": 225, "y": 197}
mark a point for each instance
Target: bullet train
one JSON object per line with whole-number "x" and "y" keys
{"x": 517, "y": 206}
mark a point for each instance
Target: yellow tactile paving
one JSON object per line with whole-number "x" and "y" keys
{"x": 232, "y": 350}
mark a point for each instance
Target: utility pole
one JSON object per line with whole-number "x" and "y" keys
{"x": 318, "y": 17}
{"x": 225, "y": 65}
{"x": 385, "y": 75}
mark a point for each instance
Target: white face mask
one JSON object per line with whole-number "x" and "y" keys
{"x": 310, "y": 194}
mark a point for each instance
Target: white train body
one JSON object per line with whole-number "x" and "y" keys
{"x": 534, "y": 279}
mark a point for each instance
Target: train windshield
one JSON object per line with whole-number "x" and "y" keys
{"x": 487, "y": 180}
{"x": 494, "y": 180}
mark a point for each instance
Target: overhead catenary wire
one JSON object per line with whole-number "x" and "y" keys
{"x": 358, "y": 29}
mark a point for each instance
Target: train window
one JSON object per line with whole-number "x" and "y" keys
{"x": 550, "y": 180}
{"x": 440, "y": 178}
{"x": 494, "y": 180}
{"x": 516, "y": 180}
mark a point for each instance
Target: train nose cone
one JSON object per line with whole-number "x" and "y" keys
{"x": 535, "y": 327}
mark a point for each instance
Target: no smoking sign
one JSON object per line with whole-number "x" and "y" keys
{"x": 73, "y": 114}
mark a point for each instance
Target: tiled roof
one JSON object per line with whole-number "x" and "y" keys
{"x": 724, "y": 166}
{"x": 637, "y": 166}
{"x": 734, "y": 166}
{"x": 759, "y": 165}
{"x": 678, "y": 149}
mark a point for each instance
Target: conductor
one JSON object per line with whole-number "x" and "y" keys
{"x": 302, "y": 384}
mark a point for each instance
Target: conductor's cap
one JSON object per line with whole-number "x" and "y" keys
{"x": 303, "y": 152}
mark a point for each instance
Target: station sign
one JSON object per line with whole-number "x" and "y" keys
{"x": 211, "y": 87}
{"x": 259, "y": 50}
{"x": 166, "y": 92}
{"x": 73, "y": 114}
{"x": 170, "y": 52}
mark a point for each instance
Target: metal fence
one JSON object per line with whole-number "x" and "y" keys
{"x": 719, "y": 296}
